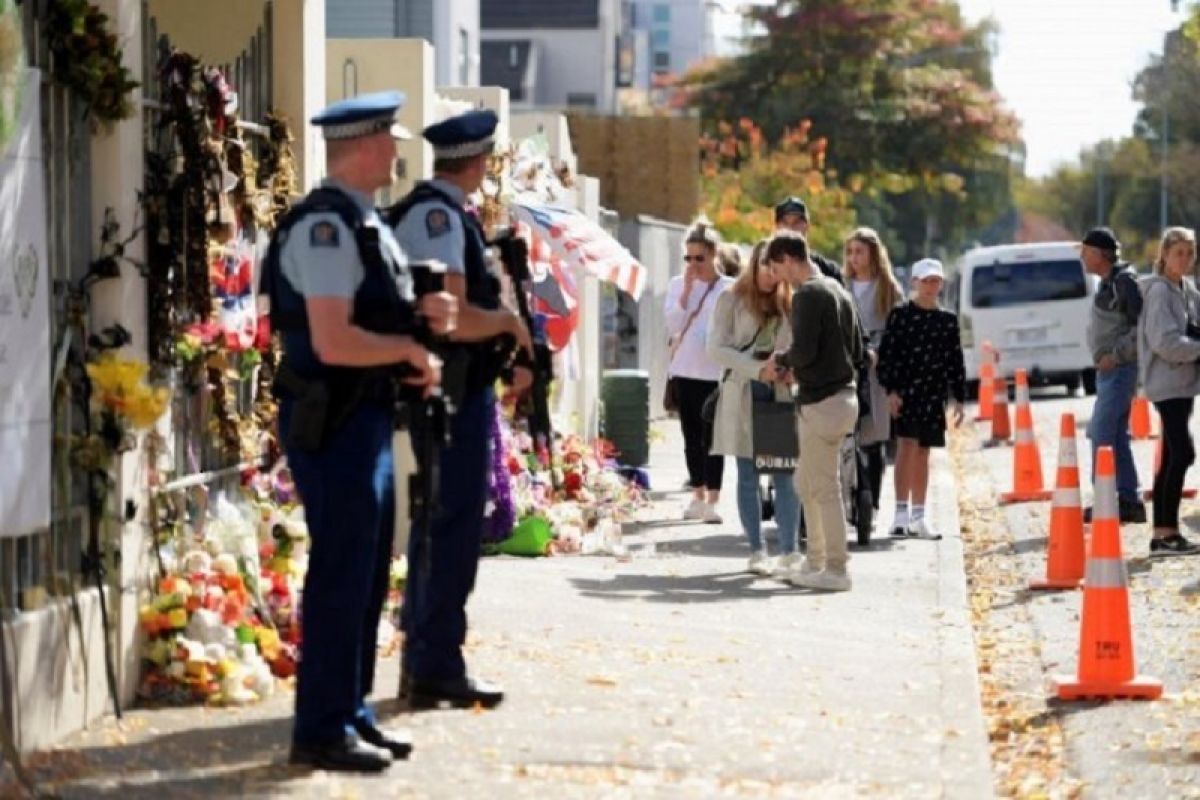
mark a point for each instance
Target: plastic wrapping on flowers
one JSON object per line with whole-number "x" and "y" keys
{"x": 223, "y": 625}
{"x": 571, "y": 501}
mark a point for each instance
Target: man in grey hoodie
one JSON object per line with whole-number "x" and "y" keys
{"x": 1112, "y": 337}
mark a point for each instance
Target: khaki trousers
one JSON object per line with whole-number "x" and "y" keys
{"x": 822, "y": 427}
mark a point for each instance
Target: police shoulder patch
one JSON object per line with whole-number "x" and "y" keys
{"x": 323, "y": 234}
{"x": 437, "y": 223}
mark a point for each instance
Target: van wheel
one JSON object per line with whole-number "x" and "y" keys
{"x": 972, "y": 390}
{"x": 1089, "y": 381}
{"x": 1071, "y": 385}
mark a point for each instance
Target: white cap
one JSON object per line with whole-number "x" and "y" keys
{"x": 928, "y": 268}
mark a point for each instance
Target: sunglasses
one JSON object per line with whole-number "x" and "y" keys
{"x": 695, "y": 259}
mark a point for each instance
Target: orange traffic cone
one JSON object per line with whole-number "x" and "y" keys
{"x": 1148, "y": 494}
{"x": 1139, "y": 418}
{"x": 987, "y": 384}
{"x": 1106, "y": 666}
{"x": 1027, "y": 462}
{"x": 1065, "y": 550}
{"x": 1001, "y": 430}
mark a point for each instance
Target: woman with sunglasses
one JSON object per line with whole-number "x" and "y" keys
{"x": 691, "y": 298}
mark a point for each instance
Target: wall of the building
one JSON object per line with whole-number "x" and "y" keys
{"x": 451, "y": 26}
{"x": 657, "y": 244}
{"x": 354, "y": 66}
{"x": 684, "y": 37}
{"x": 58, "y": 672}
{"x": 570, "y": 62}
{"x": 456, "y": 42}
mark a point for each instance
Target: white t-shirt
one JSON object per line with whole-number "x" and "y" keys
{"x": 691, "y": 360}
{"x": 861, "y": 288}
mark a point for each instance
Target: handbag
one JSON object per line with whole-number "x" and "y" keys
{"x": 775, "y": 441}
{"x": 708, "y": 411}
{"x": 670, "y": 400}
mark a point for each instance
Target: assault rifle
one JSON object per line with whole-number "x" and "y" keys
{"x": 514, "y": 255}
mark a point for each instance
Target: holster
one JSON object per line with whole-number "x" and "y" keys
{"x": 310, "y": 412}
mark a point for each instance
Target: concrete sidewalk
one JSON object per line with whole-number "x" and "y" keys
{"x": 671, "y": 675}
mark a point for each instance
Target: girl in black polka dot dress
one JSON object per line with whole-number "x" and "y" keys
{"x": 920, "y": 366}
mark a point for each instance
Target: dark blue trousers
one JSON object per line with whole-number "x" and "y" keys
{"x": 349, "y": 506}
{"x": 441, "y": 578}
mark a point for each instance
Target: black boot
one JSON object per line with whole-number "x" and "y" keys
{"x": 344, "y": 755}
{"x": 464, "y": 692}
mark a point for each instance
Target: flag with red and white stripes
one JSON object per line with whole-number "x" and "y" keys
{"x": 581, "y": 242}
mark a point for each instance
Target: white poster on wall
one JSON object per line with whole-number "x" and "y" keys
{"x": 25, "y": 425}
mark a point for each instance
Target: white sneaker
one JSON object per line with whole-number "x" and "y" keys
{"x": 801, "y": 571}
{"x": 824, "y": 581}
{"x": 710, "y": 515}
{"x": 921, "y": 530}
{"x": 695, "y": 509}
{"x": 786, "y": 564}
{"x": 760, "y": 563}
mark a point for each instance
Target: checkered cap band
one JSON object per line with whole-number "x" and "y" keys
{"x": 362, "y": 127}
{"x": 466, "y": 149}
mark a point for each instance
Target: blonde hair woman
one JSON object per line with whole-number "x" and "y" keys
{"x": 1168, "y": 349}
{"x": 868, "y": 273}
{"x": 691, "y": 298}
{"x": 751, "y": 321}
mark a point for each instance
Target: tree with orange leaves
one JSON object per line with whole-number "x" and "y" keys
{"x": 742, "y": 178}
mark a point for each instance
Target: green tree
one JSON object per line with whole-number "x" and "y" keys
{"x": 903, "y": 91}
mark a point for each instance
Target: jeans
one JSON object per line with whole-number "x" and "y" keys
{"x": 1109, "y": 426}
{"x": 1178, "y": 453}
{"x": 822, "y": 427}
{"x": 749, "y": 500}
{"x": 704, "y": 471}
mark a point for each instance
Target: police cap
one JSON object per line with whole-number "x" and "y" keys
{"x": 464, "y": 135}
{"x": 364, "y": 115}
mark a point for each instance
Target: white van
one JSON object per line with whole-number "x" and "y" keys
{"x": 1032, "y": 302}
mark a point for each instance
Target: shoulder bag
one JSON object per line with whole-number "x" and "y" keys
{"x": 670, "y": 391}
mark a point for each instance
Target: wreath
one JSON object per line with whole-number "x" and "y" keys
{"x": 207, "y": 198}
{"x": 87, "y": 60}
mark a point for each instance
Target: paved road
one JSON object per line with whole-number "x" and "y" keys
{"x": 671, "y": 675}
{"x": 1117, "y": 750}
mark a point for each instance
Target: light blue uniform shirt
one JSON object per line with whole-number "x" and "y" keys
{"x": 320, "y": 257}
{"x": 433, "y": 231}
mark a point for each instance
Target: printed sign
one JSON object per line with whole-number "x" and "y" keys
{"x": 25, "y": 415}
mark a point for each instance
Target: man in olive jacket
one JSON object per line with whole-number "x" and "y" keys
{"x": 827, "y": 352}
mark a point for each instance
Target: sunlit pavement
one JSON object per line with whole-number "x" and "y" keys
{"x": 673, "y": 674}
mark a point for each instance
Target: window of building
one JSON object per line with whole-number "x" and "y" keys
{"x": 464, "y": 57}
{"x": 660, "y": 38}
{"x": 581, "y": 100}
{"x": 662, "y": 61}
{"x": 662, "y": 14}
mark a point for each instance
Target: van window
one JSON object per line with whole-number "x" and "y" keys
{"x": 1014, "y": 284}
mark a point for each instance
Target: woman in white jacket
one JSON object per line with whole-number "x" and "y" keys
{"x": 691, "y": 298}
{"x": 1168, "y": 350}
{"x": 750, "y": 323}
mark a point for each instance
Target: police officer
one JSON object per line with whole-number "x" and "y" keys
{"x": 791, "y": 214}
{"x": 432, "y": 223}
{"x": 342, "y": 300}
